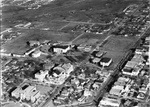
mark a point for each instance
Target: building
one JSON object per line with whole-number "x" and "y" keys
{"x": 41, "y": 75}
{"x": 96, "y": 60}
{"x": 105, "y": 61}
{"x": 36, "y": 54}
{"x": 59, "y": 73}
{"x": 26, "y": 92}
{"x": 131, "y": 64}
{"x": 33, "y": 43}
{"x": 107, "y": 101}
{"x": 60, "y": 48}
{"x": 127, "y": 71}
{"x": 116, "y": 90}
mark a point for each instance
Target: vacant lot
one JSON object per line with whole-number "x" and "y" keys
{"x": 44, "y": 89}
{"x": 118, "y": 44}
{"x": 78, "y": 10}
{"x": 51, "y": 25}
{"x": 90, "y": 39}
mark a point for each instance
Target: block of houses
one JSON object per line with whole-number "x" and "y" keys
{"x": 105, "y": 61}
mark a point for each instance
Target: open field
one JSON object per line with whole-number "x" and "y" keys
{"x": 77, "y": 10}
{"x": 117, "y": 44}
{"x": 18, "y": 45}
{"x": 51, "y": 25}
{"x": 90, "y": 38}
{"x": 71, "y": 26}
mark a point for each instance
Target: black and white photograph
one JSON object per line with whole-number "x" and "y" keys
{"x": 74, "y": 53}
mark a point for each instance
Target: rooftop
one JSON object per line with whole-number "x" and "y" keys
{"x": 105, "y": 59}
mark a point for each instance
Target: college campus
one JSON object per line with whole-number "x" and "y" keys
{"x": 75, "y": 53}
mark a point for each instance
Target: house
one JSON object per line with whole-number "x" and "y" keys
{"x": 96, "y": 60}
{"x": 127, "y": 71}
{"x": 146, "y": 45}
{"x": 139, "y": 51}
{"x": 99, "y": 54}
{"x": 87, "y": 93}
{"x": 147, "y": 39}
{"x": 87, "y": 48}
{"x": 60, "y": 48}
{"x": 141, "y": 96}
{"x": 105, "y": 61}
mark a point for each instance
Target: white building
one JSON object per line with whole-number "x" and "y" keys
{"x": 26, "y": 92}
{"x": 109, "y": 102}
{"x": 127, "y": 71}
{"x": 37, "y": 54}
{"x": 60, "y": 74}
{"x": 105, "y": 61}
{"x": 61, "y": 49}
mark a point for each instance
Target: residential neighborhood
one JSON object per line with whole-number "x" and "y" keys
{"x": 58, "y": 53}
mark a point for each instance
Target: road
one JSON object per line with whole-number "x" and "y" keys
{"x": 82, "y": 22}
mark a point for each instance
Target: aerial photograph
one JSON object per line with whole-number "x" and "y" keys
{"x": 74, "y": 53}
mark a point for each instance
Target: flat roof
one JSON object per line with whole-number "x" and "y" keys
{"x": 105, "y": 59}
